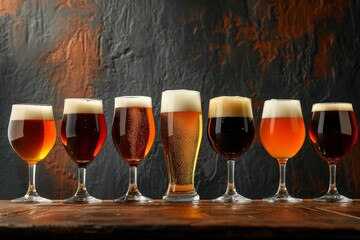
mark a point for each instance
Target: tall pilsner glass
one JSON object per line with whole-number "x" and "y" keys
{"x": 282, "y": 133}
{"x": 32, "y": 134}
{"x": 83, "y": 133}
{"x": 333, "y": 132}
{"x": 181, "y": 133}
{"x": 133, "y": 133}
{"x": 231, "y": 132}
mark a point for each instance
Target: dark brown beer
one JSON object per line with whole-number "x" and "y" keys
{"x": 231, "y": 136}
{"x": 83, "y": 135}
{"x": 133, "y": 133}
{"x": 32, "y": 139}
{"x": 333, "y": 133}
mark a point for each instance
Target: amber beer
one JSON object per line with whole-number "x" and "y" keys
{"x": 333, "y": 130}
{"x": 282, "y": 133}
{"x": 282, "y": 128}
{"x": 32, "y": 131}
{"x": 133, "y": 129}
{"x": 230, "y": 125}
{"x": 83, "y": 129}
{"x": 181, "y": 133}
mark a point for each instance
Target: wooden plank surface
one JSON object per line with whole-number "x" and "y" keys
{"x": 212, "y": 220}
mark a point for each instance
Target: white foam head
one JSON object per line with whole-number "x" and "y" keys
{"x": 275, "y": 108}
{"x": 83, "y": 105}
{"x": 180, "y": 101}
{"x": 30, "y": 111}
{"x": 133, "y": 101}
{"x": 230, "y": 106}
{"x": 332, "y": 106}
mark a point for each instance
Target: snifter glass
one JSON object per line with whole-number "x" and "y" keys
{"x": 83, "y": 133}
{"x": 282, "y": 134}
{"x": 333, "y": 132}
{"x": 181, "y": 133}
{"x": 32, "y": 134}
{"x": 133, "y": 133}
{"x": 231, "y": 132}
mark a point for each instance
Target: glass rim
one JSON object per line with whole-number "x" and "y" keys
{"x": 334, "y": 103}
{"x": 180, "y": 90}
{"x": 332, "y": 106}
{"x": 85, "y": 99}
{"x": 231, "y": 97}
{"x": 32, "y": 104}
{"x": 282, "y": 100}
{"x": 132, "y": 96}
{"x": 132, "y": 101}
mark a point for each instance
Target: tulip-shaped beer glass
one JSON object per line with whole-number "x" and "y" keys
{"x": 282, "y": 133}
{"x": 133, "y": 133}
{"x": 32, "y": 134}
{"x": 83, "y": 132}
{"x": 333, "y": 132}
{"x": 231, "y": 132}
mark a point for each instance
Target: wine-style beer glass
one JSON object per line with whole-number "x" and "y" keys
{"x": 32, "y": 134}
{"x": 282, "y": 133}
{"x": 181, "y": 133}
{"x": 333, "y": 132}
{"x": 231, "y": 132}
{"x": 83, "y": 133}
{"x": 133, "y": 133}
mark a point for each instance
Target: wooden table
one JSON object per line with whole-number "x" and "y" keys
{"x": 162, "y": 220}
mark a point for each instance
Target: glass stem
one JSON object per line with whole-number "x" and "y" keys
{"x": 332, "y": 183}
{"x": 282, "y": 169}
{"x": 133, "y": 189}
{"x": 81, "y": 190}
{"x": 31, "y": 188}
{"x": 231, "y": 175}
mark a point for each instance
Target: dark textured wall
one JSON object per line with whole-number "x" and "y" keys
{"x": 53, "y": 49}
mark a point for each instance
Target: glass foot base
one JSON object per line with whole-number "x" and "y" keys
{"x": 282, "y": 198}
{"x": 31, "y": 199}
{"x": 333, "y": 198}
{"x": 82, "y": 200}
{"x": 133, "y": 198}
{"x": 182, "y": 197}
{"x": 231, "y": 198}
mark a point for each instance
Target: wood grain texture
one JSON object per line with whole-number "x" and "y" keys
{"x": 161, "y": 220}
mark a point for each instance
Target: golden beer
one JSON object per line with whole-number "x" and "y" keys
{"x": 181, "y": 133}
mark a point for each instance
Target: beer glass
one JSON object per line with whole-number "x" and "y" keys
{"x": 231, "y": 132}
{"x": 83, "y": 133}
{"x": 133, "y": 133}
{"x": 32, "y": 134}
{"x": 181, "y": 133}
{"x": 282, "y": 133}
{"x": 333, "y": 132}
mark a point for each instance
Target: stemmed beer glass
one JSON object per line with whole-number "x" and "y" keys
{"x": 333, "y": 132}
{"x": 231, "y": 132}
{"x": 32, "y": 134}
{"x": 133, "y": 133}
{"x": 83, "y": 133}
{"x": 282, "y": 133}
